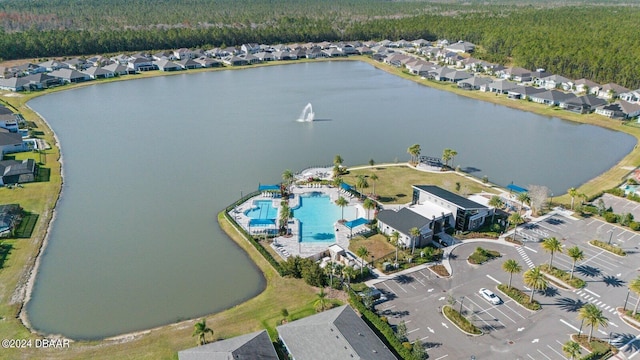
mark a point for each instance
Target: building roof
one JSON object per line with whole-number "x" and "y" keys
{"x": 476, "y": 81}
{"x": 15, "y": 167}
{"x": 526, "y": 90}
{"x": 615, "y": 88}
{"x": 450, "y": 197}
{"x": 502, "y": 85}
{"x": 335, "y": 334}
{"x": 590, "y": 100}
{"x": 254, "y": 346}
{"x": 554, "y": 96}
{"x": 403, "y": 220}
{"x": 9, "y": 138}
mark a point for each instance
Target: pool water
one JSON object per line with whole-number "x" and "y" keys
{"x": 262, "y": 209}
{"x": 317, "y": 214}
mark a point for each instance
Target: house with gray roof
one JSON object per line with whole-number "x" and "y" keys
{"x": 253, "y": 346}
{"x": 167, "y": 65}
{"x": 523, "y": 92}
{"x": 461, "y": 47}
{"x": 188, "y": 64}
{"x": 467, "y": 214}
{"x": 68, "y": 76}
{"x": 11, "y": 142}
{"x": 583, "y": 104}
{"x": 500, "y": 86}
{"x": 631, "y": 96}
{"x": 14, "y": 84}
{"x": 10, "y": 216}
{"x": 10, "y": 121}
{"x": 207, "y": 62}
{"x": 99, "y": 73}
{"x": 119, "y": 69}
{"x": 15, "y": 172}
{"x": 551, "y": 97}
{"x": 335, "y": 334}
{"x": 555, "y": 82}
{"x": 621, "y": 109}
{"x": 517, "y": 74}
{"x": 474, "y": 83}
{"x": 611, "y": 91}
{"x": 586, "y": 86}
{"x": 403, "y": 221}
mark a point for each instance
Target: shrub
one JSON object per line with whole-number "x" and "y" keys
{"x": 610, "y": 248}
{"x": 610, "y": 217}
{"x": 481, "y": 256}
{"x": 519, "y": 296}
{"x": 576, "y": 282}
{"x": 485, "y": 179}
{"x": 455, "y": 317}
{"x": 632, "y": 181}
{"x": 634, "y": 197}
{"x": 634, "y": 225}
{"x": 616, "y": 192}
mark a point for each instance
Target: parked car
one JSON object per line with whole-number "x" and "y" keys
{"x": 490, "y": 296}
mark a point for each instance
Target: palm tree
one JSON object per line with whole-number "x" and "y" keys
{"x": 571, "y": 349}
{"x": 342, "y": 202}
{"x": 453, "y": 154}
{"x": 362, "y": 183}
{"x": 368, "y": 204}
{"x": 287, "y": 177}
{"x": 362, "y": 253}
{"x": 497, "y": 203}
{"x": 524, "y": 198}
{"x": 414, "y": 232}
{"x": 512, "y": 267}
{"x": 573, "y": 192}
{"x": 201, "y": 330}
{"x": 328, "y": 269}
{"x": 337, "y": 181}
{"x": 551, "y": 245}
{"x": 446, "y": 156}
{"x": 395, "y": 239}
{"x": 374, "y": 178}
{"x": 337, "y": 270}
{"x": 414, "y": 151}
{"x": 515, "y": 219}
{"x": 634, "y": 286}
{"x": 321, "y": 300}
{"x": 371, "y": 162}
{"x": 576, "y": 254}
{"x": 349, "y": 273}
{"x": 534, "y": 279}
{"x": 285, "y": 211}
{"x": 338, "y": 160}
{"x": 593, "y": 317}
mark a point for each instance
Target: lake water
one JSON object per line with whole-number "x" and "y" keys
{"x": 148, "y": 164}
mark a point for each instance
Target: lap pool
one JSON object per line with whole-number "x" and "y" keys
{"x": 317, "y": 214}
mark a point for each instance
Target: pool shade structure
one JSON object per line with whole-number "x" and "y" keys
{"x": 353, "y": 223}
{"x": 516, "y": 188}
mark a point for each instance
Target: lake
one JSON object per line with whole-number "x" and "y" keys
{"x": 149, "y": 163}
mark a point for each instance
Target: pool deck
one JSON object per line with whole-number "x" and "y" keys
{"x": 287, "y": 246}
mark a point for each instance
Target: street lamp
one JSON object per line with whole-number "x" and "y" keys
{"x": 461, "y": 301}
{"x": 580, "y": 331}
{"x": 610, "y": 235}
{"x": 624, "y": 308}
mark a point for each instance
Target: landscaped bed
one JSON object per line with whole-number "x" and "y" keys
{"x": 563, "y": 276}
{"x": 460, "y": 321}
{"x": 520, "y": 297}
{"x": 440, "y": 270}
{"x": 599, "y": 348}
{"x": 480, "y": 256}
{"x": 608, "y": 247}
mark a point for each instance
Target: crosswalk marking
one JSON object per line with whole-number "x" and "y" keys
{"x": 595, "y": 301}
{"x": 525, "y": 257}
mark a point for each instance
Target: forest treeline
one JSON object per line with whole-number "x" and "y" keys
{"x": 594, "y": 41}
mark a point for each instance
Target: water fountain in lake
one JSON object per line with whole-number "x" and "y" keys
{"x": 307, "y": 114}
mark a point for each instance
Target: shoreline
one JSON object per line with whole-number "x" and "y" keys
{"x": 23, "y": 292}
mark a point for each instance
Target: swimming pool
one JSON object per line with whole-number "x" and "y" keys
{"x": 262, "y": 209}
{"x": 317, "y": 214}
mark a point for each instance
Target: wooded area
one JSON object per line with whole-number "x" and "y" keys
{"x": 583, "y": 39}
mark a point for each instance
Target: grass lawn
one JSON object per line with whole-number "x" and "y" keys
{"x": 378, "y": 245}
{"x": 394, "y": 182}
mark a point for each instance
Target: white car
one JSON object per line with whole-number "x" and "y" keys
{"x": 490, "y": 296}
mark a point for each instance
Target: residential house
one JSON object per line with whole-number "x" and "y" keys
{"x": 467, "y": 214}
{"x": 164, "y": 55}
{"x": 11, "y": 142}
{"x": 28, "y": 69}
{"x": 99, "y": 73}
{"x": 403, "y": 221}
{"x": 346, "y": 49}
{"x": 13, "y": 84}
{"x": 335, "y": 334}
{"x": 188, "y": 64}
{"x": 41, "y": 81}
{"x": 611, "y": 91}
{"x": 420, "y": 43}
{"x": 69, "y": 76}
{"x": 10, "y": 216}
{"x": 555, "y": 82}
{"x": 251, "y": 59}
{"x": 500, "y": 86}
{"x": 551, "y": 97}
{"x": 183, "y": 53}
{"x": 455, "y": 76}
{"x": 166, "y": 65}
{"x": 207, "y": 62}
{"x": 517, "y": 74}
{"x": 5, "y": 110}
{"x": 235, "y": 61}
{"x": 315, "y": 52}
{"x": 250, "y": 48}
{"x": 140, "y": 63}
{"x": 474, "y": 83}
{"x": 17, "y": 172}
{"x": 76, "y": 64}
{"x": 384, "y": 43}
{"x": 621, "y": 109}
{"x": 121, "y": 59}
{"x": 583, "y": 104}
{"x": 10, "y": 122}
{"x": 332, "y": 52}
{"x": 254, "y": 346}
{"x": 631, "y": 96}
{"x": 420, "y": 67}
{"x": 118, "y": 69}
{"x": 461, "y": 47}
{"x": 397, "y": 59}
{"x": 98, "y": 61}
{"x": 399, "y": 44}
{"x": 521, "y": 92}
{"x": 586, "y": 86}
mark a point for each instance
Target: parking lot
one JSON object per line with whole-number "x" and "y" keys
{"x": 511, "y": 331}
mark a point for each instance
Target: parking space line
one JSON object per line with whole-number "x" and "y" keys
{"x": 424, "y": 338}
{"x": 425, "y": 275}
{"x": 487, "y": 312}
{"x": 543, "y": 354}
{"x": 494, "y": 279}
{"x": 442, "y": 357}
{"x": 388, "y": 287}
{"x": 531, "y": 357}
{"x": 528, "y": 248}
{"x": 418, "y": 280}
{"x": 416, "y": 329}
{"x": 569, "y": 325}
{"x": 512, "y": 310}
{"x": 555, "y": 351}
